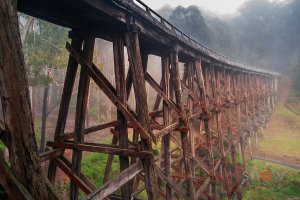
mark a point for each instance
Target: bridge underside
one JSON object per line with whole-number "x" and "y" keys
{"x": 207, "y": 106}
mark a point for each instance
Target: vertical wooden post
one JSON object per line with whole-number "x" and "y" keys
{"x": 166, "y": 115}
{"x": 184, "y": 135}
{"x": 228, "y": 113}
{"x": 81, "y": 106}
{"x": 207, "y": 124}
{"x": 237, "y": 82}
{"x": 242, "y": 140}
{"x": 119, "y": 63}
{"x": 65, "y": 102}
{"x": 134, "y": 55}
{"x": 190, "y": 78}
{"x": 214, "y": 120}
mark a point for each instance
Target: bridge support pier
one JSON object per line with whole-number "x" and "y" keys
{"x": 202, "y": 113}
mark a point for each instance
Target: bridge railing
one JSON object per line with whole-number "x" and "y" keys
{"x": 139, "y": 7}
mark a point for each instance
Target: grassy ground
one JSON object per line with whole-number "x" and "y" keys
{"x": 282, "y": 136}
{"x": 293, "y": 104}
{"x": 1, "y": 146}
{"x": 284, "y": 183}
{"x": 94, "y": 166}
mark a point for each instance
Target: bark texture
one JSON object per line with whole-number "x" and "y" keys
{"x": 14, "y": 91}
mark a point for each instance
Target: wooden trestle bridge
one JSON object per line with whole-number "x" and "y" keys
{"x": 201, "y": 121}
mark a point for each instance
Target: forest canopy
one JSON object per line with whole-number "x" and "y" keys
{"x": 262, "y": 32}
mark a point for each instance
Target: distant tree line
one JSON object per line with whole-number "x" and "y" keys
{"x": 262, "y": 33}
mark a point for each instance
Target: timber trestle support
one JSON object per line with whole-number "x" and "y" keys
{"x": 202, "y": 123}
{"x": 187, "y": 144}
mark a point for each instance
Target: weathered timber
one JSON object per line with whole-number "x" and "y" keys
{"x": 64, "y": 105}
{"x": 91, "y": 129}
{"x": 218, "y": 105}
{"x": 166, "y": 139}
{"x": 23, "y": 156}
{"x": 50, "y": 154}
{"x": 171, "y": 184}
{"x": 111, "y": 93}
{"x": 109, "y": 161}
{"x": 111, "y": 186}
{"x": 100, "y": 148}
{"x": 81, "y": 110}
{"x": 184, "y": 136}
{"x": 134, "y": 54}
{"x": 119, "y": 63}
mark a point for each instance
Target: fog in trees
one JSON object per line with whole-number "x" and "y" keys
{"x": 262, "y": 33}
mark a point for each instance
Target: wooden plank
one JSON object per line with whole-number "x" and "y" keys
{"x": 79, "y": 183}
{"x": 107, "y": 88}
{"x": 113, "y": 185}
{"x": 173, "y": 185}
{"x": 119, "y": 65}
{"x": 82, "y": 176}
{"x": 166, "y": 139}
{"x": 200, "y": 191}
{"x": 48, "y": 155}
{"x": 167, "y": 130}
{"x": 67, "y": 136}
{"x": 65, "y": 101}
{"x": 208, "y": 122}
{"x": 156, "y": 87}
{"x": 67, "y": 90}
{"x": 202, "y": 165}
{"x": 190, "y": 106}
{"x": 134, "y": 57}
{"x": 183, "y": 135}
{"x": 81, "y": 110}
{"x": 109, "y": 161}
{"x": 101, "y": 149}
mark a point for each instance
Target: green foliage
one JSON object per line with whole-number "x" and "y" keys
{"x": 37, "y": 130}
{"x": 191, "y": 22}
{"x": 1, "y": 146}
{"x": 284, "y": 183}
{"x": 44, "y": 50}
{"x": 262, "y": 33}
{"x": 93, "y": 166}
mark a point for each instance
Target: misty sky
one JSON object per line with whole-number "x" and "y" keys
{"x": 219, "y": 6}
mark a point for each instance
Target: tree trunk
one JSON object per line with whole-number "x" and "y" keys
{"x": 44, "y": 118}
{"x": 27, "y": 26}
{"x": 24, "y": 159}
{"x": 34, "y": 102}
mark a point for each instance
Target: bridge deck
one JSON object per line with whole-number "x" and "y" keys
{"x": 108, "y": 18}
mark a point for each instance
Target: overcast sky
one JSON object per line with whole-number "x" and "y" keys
{"x": 219, "y": 6}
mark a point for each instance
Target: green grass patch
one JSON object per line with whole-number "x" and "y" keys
{"x": 282, "y": 135}
{"x": 284, "y": 183}
{"x": 293, "y": 104}
{"x": 37, "y": 130}
{"x": 93, "y": 166}
{"x": 2, "y": 146}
